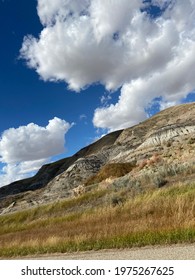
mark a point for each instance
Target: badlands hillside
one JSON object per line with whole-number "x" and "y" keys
{"x": 156, "y": 153}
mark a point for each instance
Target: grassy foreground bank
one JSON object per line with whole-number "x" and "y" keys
{"x": 161, "y": 216}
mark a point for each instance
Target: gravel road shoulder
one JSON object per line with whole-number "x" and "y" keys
{"x": 173, "y": 252}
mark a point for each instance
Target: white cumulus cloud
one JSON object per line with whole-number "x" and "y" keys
{"x": 120, "y": 45}
{"x": 16, "y": 171}
{"x": 25, "y": 149}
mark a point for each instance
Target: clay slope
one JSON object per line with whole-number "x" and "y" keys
{"x": 26, "y": 189}
{"x": 162, "y": 143}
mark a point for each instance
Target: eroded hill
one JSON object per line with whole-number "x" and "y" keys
{"x": 154, "y": 153}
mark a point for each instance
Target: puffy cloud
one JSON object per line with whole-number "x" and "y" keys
{"x": 116, "y": 116}
{"x": 81, "y": 48}
{"x": 33, "y": 142}
{"x": 25, "y": 149}
{"x": 120, "y": 45}
{"x": 16, "y": 171}
{"x": 171, "y": 84}
{"x": 49, "y": 10}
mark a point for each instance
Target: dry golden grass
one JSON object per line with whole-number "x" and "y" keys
{"x": 166, "y": 215}
{"x": 112, "y": 170}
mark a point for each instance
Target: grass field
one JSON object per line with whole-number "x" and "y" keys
{"x": 96, "y": 220}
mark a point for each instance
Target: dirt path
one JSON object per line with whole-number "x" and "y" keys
{"x": 174, "y": 252}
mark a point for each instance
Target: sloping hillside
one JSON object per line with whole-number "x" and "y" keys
{"x": 159, "y": 150}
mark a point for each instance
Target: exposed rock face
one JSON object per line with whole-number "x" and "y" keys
{"x": 50, "y": 171}
{"x": 164, "y": 134}
{"x": 173, "y": 127}
{"x": 62, "y": 185}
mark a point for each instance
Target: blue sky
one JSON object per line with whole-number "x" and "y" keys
{"x": 89, "y": 67}
{"x": 24, "y": 97}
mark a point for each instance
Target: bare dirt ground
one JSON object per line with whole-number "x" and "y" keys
{"x": 173, "y": 252}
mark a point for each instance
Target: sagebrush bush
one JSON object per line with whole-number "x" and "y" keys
{"x": 158, "y": 175}
{"x": 116, "y": 200}
{"x": 159, "y": 181}
{"x": 191, "y": 140}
